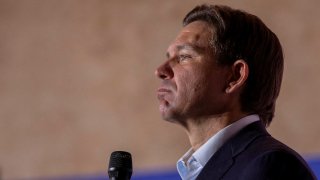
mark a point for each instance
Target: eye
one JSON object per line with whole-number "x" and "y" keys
{"x": 183, "y": 57}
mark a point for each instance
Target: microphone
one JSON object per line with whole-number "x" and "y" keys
{"x": 120, "y": 166}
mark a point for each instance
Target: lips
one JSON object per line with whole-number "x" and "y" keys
{"x": 162, "y": 92}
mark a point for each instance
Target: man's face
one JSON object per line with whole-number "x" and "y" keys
{"x": 192, "y": 84}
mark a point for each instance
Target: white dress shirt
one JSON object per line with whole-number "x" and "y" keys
{"x": 192, "y": 162}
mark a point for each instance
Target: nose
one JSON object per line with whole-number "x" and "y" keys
{"x": 164, "y": 71}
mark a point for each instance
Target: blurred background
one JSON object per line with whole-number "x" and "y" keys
{"x": 77, "y": 82}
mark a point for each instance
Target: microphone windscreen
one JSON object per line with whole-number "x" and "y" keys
{"x": 120, "y": 165}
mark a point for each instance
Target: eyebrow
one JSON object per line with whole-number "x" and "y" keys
{"x": 187, "y": 46}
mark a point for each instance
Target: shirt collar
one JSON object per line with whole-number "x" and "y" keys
{"x": 204, "y": 153}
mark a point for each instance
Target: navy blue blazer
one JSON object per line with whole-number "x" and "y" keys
{"x": 252, "y": 154}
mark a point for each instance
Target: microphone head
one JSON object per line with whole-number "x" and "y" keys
{"x": 120, "y": 165}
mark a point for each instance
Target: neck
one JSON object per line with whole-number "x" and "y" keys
{"x": 200, "y": 130}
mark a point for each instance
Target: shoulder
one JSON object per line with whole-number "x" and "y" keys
{"x": 254, "y": 154}
{"x": 271, "y": 159}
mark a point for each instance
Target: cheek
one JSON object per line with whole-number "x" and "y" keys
{"x": 204, "y": 85}
{"x": 183, "y": 85}
{"x": 192, "y": 85}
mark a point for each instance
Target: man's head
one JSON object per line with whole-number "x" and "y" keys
{"x": 239, "y": 45}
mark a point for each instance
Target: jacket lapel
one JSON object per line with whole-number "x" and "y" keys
{"x": 223, "y": 159}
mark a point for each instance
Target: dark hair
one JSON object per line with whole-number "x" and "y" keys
{"x": 240, "y": 35}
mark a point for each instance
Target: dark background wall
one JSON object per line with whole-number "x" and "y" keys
{"x": 77, "y": 81}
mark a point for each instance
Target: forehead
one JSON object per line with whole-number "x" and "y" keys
{"x": 197, "y": 33}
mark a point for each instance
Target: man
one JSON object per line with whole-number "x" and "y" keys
{"x": 220, "y": 83}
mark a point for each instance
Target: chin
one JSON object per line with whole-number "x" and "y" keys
{"x": 170, "y": 114}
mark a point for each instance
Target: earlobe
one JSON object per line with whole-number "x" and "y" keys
{"x": 239, "y": 75}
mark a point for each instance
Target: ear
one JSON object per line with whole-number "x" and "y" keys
{"x": 239, "y": 75}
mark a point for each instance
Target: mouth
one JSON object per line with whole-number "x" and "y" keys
{"x": 163, "y": 95}
{"x": 162, "y": 92}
